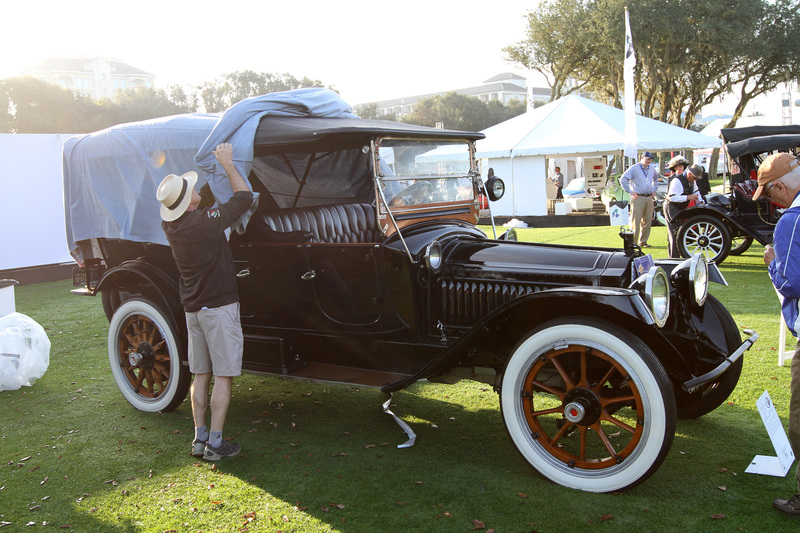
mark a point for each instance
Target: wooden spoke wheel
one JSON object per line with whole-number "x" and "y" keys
{"x": 588, "y": 405}
{"x": 145, "y": 357}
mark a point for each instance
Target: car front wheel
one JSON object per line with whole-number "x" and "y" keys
{"x": 711, "y": 396}
{"x": 588, "y": 405}
{"x": 145, "y": 357}
{"x": 706, "y": 235}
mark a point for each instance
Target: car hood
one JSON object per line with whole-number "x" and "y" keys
{"x": 521, "y": 261}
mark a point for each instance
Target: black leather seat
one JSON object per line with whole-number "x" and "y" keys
{"x": 338, "y": 223}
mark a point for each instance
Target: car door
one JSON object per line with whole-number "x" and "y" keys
{"x": 346, "y": 281}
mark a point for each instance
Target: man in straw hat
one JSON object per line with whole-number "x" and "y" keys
{"x": 683, "y": 191}
{"x": 779, "y": 179}
{"x": 209, "y": 295}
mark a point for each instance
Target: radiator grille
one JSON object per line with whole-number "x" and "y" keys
{"x": 463, "y": 303}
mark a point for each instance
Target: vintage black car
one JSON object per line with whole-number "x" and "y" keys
{"x": 363, "y": 265}
{"x": 730, "y": 222}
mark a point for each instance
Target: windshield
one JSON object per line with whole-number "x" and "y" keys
{"x": 425, "y": 171}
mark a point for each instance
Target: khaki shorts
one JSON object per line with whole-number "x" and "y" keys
{"x": 215, "y": 341}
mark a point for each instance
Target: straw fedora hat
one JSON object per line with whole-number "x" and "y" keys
{"x": 175, "y": 194}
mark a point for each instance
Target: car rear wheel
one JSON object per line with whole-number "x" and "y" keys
{"x": 740, "y": 244}
{"x": 705, "y": 235}
{"x": 145, "y": 357}
{"x": 588, "y": 405}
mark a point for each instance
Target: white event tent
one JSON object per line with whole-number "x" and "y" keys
{"x": 573, "y": 126}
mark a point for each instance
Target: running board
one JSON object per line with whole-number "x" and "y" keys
{"x": 324, "y": 373}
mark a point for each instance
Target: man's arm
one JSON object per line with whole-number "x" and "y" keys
{"x": 623, "y": 181}
{"x": 224, "y": 154}
{"x": 784, "y": 259}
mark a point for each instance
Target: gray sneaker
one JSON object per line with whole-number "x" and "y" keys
{"x": 225, "y": 449}
{"x": 790, "y": 507}
{"x": 198, "y": 447}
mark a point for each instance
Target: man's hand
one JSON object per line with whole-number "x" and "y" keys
{"x": 692, "y": 197}
{"x": 769, "y": 254}
{"x": 224, "y": 153}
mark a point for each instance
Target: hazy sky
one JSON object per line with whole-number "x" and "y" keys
{"x": 367, "y": 50}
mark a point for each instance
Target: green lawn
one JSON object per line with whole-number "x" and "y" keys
{"x": 75, "y": 455}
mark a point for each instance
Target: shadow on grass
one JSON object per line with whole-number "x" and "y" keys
{"x": 324, "y": 458}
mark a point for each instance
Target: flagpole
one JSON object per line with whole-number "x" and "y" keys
{"x": 629, "y": 97}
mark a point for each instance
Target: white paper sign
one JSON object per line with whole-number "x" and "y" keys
{"x": 772, "y": 466}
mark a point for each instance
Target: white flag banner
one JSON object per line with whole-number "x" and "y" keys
{"x": 629, "y": 97}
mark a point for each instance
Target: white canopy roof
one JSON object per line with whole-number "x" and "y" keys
{"x": 576, "y": 126}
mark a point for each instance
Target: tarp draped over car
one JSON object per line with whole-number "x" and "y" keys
{"x": 111, "y": 176}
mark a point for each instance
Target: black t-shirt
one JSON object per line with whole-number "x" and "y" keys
{"x": 202, "y": 254}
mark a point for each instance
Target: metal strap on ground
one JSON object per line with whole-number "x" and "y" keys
{"x": 412, "y": 437}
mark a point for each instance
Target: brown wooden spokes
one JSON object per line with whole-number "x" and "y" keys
{"x": 582, "y": 407}
{"x": 144, "y": 356}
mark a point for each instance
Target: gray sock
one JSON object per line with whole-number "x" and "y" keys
{"x": 214, "y": 438}
{"x": 201, "y": 434}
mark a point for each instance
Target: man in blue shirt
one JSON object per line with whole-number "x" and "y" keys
{"x": 779, "y": 179}
{"x": 641, "y": 182}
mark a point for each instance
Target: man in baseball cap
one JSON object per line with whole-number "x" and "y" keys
{"x": 779, "y": 180}
{"x": 774, "y": 168}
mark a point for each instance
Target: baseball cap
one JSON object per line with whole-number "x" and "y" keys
{"x": 774, "y": 167}
{"x": 647, "y": 154}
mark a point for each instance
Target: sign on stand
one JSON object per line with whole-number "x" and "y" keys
{"x": 766, "y": 465}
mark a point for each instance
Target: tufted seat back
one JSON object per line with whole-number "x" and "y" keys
{"x": 339, "y": 223}
{"x": 746, "y": 188}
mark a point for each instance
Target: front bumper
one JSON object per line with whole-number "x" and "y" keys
{"x": 693, "y": 384}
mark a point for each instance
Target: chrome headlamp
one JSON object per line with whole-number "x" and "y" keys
{"x": 693, "y": 274}
{"x": 433, "y": 256}
{"x": 656, "y": 294}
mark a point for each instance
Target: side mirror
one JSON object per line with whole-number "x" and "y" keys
{"x": 495, "y": 187}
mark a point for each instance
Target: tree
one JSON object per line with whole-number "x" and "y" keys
{"x": 218, "y": 95}
{"x": 553, "y": 47}
{"x": 773, "y": 56}
{"x": 689, "y": 53}
{"x": 460, "y": 112}
{"x": 370, "y": 111}
{"x": 28, "y": 105}
{"x": 132, "y": 105}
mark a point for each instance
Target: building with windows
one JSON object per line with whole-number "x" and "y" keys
{"x": 504, "y": 88}
{"x": 97, "y": 77}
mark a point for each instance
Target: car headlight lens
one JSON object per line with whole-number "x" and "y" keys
{"x": 692, "y": 276}
{"x": 495, "y": 188}
{"x": 698, "y": 277}
{"x": 433, "y": 256}
{"x": 656, "y": 294}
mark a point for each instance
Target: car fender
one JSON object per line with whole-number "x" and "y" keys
{"x": 500, "y": 330}
{"x": 146, "y": 278}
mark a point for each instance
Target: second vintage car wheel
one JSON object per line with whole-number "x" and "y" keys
{"x": 740, "y": 245}
{"x": 588, "y": 405}
{"x": 706, "y": 235}
{"x": 145, "y": 358}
